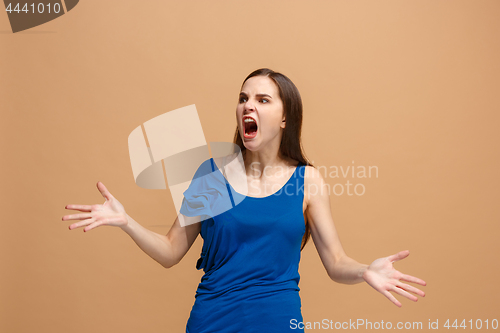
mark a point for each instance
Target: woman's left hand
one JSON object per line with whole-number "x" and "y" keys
{"x": 382, "y": 276}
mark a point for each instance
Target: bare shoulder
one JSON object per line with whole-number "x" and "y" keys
{"x": 312, "y": 175}
{"x": 315, "y": 187}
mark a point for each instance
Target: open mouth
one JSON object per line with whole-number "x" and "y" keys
{"x": 250, "y": 127}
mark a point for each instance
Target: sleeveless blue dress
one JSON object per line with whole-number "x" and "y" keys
{"x": 250, "y": 257}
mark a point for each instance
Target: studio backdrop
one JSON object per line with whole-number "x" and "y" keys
{"x": 406, "y": 90}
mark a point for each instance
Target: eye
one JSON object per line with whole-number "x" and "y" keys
{"x": 242, "y": 99}
{"x": 264, "y": 100}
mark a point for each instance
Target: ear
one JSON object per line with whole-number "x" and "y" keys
{"x": 283, "y": 123}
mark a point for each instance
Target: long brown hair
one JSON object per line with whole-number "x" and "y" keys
{"x": 290, "y": 145}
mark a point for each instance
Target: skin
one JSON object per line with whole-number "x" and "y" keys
{"x": 267, "y": 172}
{"x": 259, "y": 98}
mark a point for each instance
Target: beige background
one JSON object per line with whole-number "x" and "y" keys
{"x": 409, "y": 86}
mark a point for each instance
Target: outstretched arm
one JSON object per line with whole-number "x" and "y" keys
{"x": 167, "y": 249}
{"x": 381, "y": 274}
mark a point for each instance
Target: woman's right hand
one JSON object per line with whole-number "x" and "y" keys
{"x": 111, "y": 212}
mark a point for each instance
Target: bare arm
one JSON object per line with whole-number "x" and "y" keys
{"x": 380, "y": 274}
{"x": 339, "y": 266}
{"x": 167, "y": 250}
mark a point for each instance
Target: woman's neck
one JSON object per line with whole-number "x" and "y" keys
{"x": 256, "y": 163}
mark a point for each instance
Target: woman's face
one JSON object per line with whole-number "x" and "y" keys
{"x": 259, "y": 113}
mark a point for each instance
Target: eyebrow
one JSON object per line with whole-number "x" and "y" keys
{"x": 258, "y": 95}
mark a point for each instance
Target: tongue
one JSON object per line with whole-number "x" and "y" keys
{"x": 250, "y": 128}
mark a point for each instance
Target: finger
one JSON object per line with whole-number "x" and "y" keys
{"x": 412, "y": 289}
{"x": 76, "y": 217}
{"x": 413, "y": 279}
{"x": 106, "y": 221}
{"x": 391, "y": 297}
{"x": 399, "y": 256}
{"x": 405, "y": 293}
{"x": 81, "y": 224}
{"x": 104, "y": 191}
{"x": 92, "y": 226}
{"x": 83, "y": 208}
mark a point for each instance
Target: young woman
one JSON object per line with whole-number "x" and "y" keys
{"x": 251, "y": 252}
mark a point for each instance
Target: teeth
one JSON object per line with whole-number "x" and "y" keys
{"x": 249, "y": 120}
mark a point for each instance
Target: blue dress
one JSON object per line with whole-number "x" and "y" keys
{"x": 250, "y": 256}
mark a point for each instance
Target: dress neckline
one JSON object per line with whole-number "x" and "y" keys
{"x": 268, "y": 196}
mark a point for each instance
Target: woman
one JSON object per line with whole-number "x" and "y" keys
{"x": 251, "y": 252}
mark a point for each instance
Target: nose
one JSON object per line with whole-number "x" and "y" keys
{"x": 249, "y": 105}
